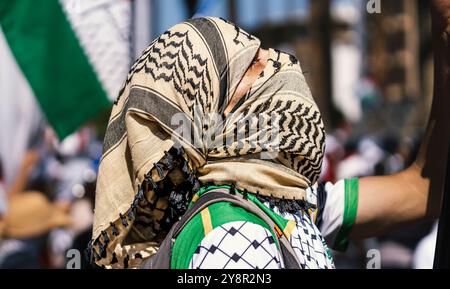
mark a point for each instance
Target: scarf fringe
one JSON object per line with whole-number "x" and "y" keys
{"x": 179, "y": 198}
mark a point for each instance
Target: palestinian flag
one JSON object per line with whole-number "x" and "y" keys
{"x": 72, "y": 56}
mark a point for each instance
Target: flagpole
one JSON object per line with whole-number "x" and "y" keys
{"x": 141, "y": 26}
{"x": 442, "y": 252}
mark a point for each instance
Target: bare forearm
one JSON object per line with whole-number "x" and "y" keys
{"x": 388, "y": 202}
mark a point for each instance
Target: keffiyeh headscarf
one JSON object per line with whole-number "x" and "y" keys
{"x": 167, "y": 135}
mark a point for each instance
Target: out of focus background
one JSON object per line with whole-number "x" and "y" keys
{"x": 62, "y": 63}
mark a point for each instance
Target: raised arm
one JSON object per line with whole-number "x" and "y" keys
{"x": 385, "y": 203}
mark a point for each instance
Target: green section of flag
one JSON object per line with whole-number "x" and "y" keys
{"x": 53, "y": 61}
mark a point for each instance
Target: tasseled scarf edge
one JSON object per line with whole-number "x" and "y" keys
{"x": 96, "y": 250}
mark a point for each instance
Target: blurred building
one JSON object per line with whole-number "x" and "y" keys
{"x": 400, "y": 61}
{"x": 394, "y": 49}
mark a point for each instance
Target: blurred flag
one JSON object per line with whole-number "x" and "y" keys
{"x": 65, "y": 59}
{"x": 73, "y": 55}
{"x": 20, "y": 116}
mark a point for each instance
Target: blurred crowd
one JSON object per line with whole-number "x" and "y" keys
{"x": 48, "y": 208}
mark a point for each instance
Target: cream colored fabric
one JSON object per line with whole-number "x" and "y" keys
{"x": 278, "y": 181}
{"x": 187, "y": 76}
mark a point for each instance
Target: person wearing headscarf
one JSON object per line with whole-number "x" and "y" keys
{"x": 167, "y": 138}
{"x": 177, "y": 131}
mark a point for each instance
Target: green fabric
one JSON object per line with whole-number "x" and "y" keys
{"x": 350, "y": 211}
{"x": 221, "y": 213}
{"x": 186, "y": 243}
{"x": 51, "y": 58}
{"x": 224, "y": 212}
{"x": 280, "y": 221}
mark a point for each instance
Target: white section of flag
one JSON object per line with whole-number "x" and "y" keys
{"x": 103, "y": 29}
{"x": 20, "y": 114}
